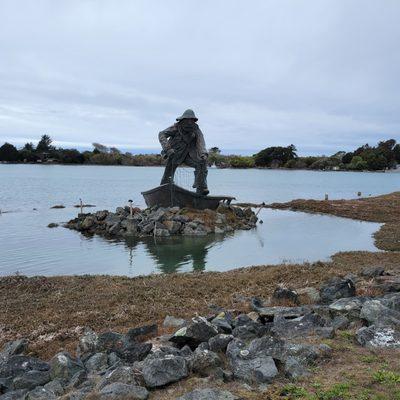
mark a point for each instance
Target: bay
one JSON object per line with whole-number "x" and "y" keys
{"x": 27, "y": 246}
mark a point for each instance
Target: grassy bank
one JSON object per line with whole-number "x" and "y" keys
{"x": 52, "y": 311}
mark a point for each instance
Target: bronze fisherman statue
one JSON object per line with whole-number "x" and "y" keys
{"x": 183, "y": 143}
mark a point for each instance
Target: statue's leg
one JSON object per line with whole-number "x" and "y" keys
{"x": 200, "y": 174}
{"x": 202, "y": 177}
{"x": 169, "y": 172}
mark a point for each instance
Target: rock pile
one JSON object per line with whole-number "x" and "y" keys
{"x": 158, "y": 221}
{"x": 253, "y": 348}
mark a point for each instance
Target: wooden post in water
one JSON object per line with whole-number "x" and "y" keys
{"x": 258, "y": 212}
{"x": 130, "y": 208}
{"x": 261, "y": 207}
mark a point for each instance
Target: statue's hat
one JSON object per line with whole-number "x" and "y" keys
{"x": 188, "y": 114}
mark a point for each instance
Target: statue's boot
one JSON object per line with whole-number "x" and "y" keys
{"x": 202, "y": 191}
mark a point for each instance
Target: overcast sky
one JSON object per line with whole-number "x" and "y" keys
{"x": 323, "y": 75}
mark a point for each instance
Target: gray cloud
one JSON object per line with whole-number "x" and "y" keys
{"x": 320, "y": 74}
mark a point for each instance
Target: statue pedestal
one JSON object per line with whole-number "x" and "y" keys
{"x": 171, "y": 195}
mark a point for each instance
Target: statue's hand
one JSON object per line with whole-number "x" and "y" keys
{"x": 170, "y": 152}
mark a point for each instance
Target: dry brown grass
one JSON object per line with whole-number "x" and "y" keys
{"x": 384, "y": 209}
{"x": 52, "y": 311}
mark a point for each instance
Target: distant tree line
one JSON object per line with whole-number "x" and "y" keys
{"x": 45, "y": 152}
{"x": 385, "y": 155}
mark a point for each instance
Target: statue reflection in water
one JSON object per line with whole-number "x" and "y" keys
{"x": 173, "y": 253}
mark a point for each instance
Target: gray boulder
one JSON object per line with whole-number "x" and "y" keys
{"x": 336, "y": 288}
{"x": 87, "y": 344}
{"x": 349, "y": 306}
{"x": 123, "y": 391}
{"x": 101, "y": 215}
{"x": 192, "y": 229}
{"x": 251, "y": 330}
{"x": 375, "y": 312}
{"x": 243, "y": 319}
{"x": 77, "y": 395}
{"x": 298, "y": 357}
{"x": 254, "y": 363}
{"x": 40, "y": 393}
{"x": 162, "y": 371}
{"x": 63, "y": 366}
{"x": 122, "y": 374}
{"x": 146, "y": 228}
{"x": 134, "y": 334}
{"x": 30, "y": 379}
{"x": 78, "y": 379}
{"x": 268, "y": 313}
{"x": 112, "y": 219}
{"x": 131, "y": 227}
{"x": 294, "y": 368}
{"x": 157, "y": 215}
{"x": 198, "y": 330}
{"x": 163, "y": 351}
{"x": 17, "y": 365}
{"x": 220, "y": 342}
{"x": 125, "y": 346}
{"x": 340, "y": 322}
{"x": 114, "y": 360}
{"x": 56, "y": 386}
{"x": 285, "y": 295}
{"x": 391, "y": 300}
{"x": 161, "y": 232}
{"x": 88, "y": 223}
{"x": 378, "y": 336}
{"x": 173, "y": 322}
{"x": 208, "y": 394}
{"x": 186, "y": 352}
{"x": 223, "y": 321}
{"x": 173, "y": 226}
{"x": 387, "y": 284}
{"x": 205, "y": 361}
{"x": 311, "y": 292}
{"x": 181, "y": 218}
{"x": 13, "y": 348}
{"x": 372, "y": 272}
{"x": 5, "y": 384}
{"x": 309, "y": 324}
{"x": 97, "y": 362}
{"x": 114, "y": 229}
{"x": 14, "y": 395}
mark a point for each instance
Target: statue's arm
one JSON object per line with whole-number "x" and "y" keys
{"x": 164, "y": 135}
{"x": 201, "y": 144}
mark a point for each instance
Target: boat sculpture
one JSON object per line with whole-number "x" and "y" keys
{"x": 172, "y": 195}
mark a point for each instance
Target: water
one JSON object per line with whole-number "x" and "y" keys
{"x": 29, "y": 247}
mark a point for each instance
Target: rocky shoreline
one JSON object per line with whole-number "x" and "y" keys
{"x": 281, "y": 337}
{"x": 162, "y": 222}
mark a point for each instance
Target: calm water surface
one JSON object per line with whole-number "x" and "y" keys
{"x": 29, "y": 247}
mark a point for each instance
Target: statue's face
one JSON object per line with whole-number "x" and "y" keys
{"x": 187, "y": 124}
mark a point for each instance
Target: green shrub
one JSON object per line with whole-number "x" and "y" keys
{"x": 294, "y": 392}
{"x": 241, "y": 162}
{"x": 384, "y": 376}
